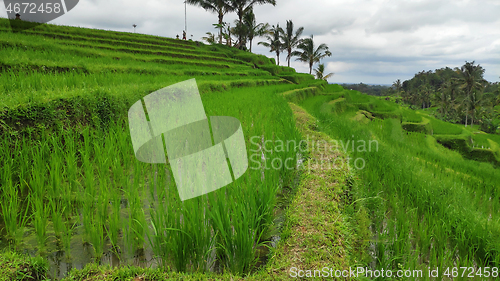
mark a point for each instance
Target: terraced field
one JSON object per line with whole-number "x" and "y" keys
{"x": 73, "y": 195}
{"x": 72, "y": 190}
{"x": 471, "y": 143}
{"x": 431, "y": 188}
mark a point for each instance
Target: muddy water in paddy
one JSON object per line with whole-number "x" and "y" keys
{"x": 82, "y": 253}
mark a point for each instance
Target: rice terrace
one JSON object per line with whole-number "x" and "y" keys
{"x": 131, "y": 156}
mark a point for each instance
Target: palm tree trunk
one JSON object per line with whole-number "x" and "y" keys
{"x": 310, "y": 68}
{"x": 289, "y": 56}
{"x": 221, "y": 17}
{"x": 240, "y": 16}
{"x": 250, "y": 45}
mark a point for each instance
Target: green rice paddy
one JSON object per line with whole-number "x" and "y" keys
{"x": 429, "y": 205}
{"x": 73, "y": 191}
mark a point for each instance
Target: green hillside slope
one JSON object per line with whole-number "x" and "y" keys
{"x": 63, "y": 69}
{"x": 431, "y": 188}
{"x": 74, "y": 194}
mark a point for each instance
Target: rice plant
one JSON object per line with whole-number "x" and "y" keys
{"x": 423, "y": 219}
{"x": 79, "y": 179}
{"x": 73, "y": 161}
{"x": 14, "y": 217}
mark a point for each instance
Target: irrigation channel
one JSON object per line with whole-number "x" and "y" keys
{"x": 79, "y": 195}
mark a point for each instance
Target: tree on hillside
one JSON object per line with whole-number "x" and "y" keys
{"x": 451, "y": 87}
{"x": 414, "y": 98}
{"x": 320, "y": 72}
{"x": 210, "y": 38}
{"x": 405, "y": 96}
{"x": 445, "y": 99}
{"x": 291, "y": 39}
{"x": 273, "y": 41}
{"x": 309, "y": 53}
{"x": 474, "y": 102}
{"x": 252, "y": 28}
{"x": 221, "y": 7}
{"x": 243, "y": 6}
{"x": 241, "y": 33}
{"x": 397, "y": 86}
{"x": 471, "y": 80}
{"x": 226, "y": 32}
{"x": 425, "y": 91}
{"x": 489, "y": 120}
{"x": 444, "y": 102}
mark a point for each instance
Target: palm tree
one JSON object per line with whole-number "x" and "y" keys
{"x": 425, "y": 92}
{"x": 274, "y": 42}
{"x": 444, "y": 102}
{"x": 309, "y": 53}
{"x": 475, "y": 101}
{"x": 320, "y": 72}
{"x": 252, "y": 28}
{"x": 221, "y": 7}
{"x": 241, "y": 31}
{"x": 291, "y": 39}
{"x": 397, "y": 86}
{"x": 226, "y": 32}
{"x": 406, "y": 96}
{"x": 243, "y": 6}
{"x": 415, "y": 97}
{"x": 451, "y": 88}
{"x": 227, "y": 35}
{"x": 210, "y": 38}
{"x": 446, "y": 98}
{"x": 471, "y": 78}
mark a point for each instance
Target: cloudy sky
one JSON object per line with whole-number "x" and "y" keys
{"x": 372, "y": 41}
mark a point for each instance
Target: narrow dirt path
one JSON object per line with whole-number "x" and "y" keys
{"x": 315, "y": 235}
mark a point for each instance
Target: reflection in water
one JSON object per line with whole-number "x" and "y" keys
{"x": 60, "y": 265}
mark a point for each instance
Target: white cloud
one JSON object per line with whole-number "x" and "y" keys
{"x": 339, "y": 66}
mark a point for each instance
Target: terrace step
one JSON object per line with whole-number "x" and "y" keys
{"x": 109, "y": 35}
{"x": 47, "y": 66}
{"x": 114, "y": 44}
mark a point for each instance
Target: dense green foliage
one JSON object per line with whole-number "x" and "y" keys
{"x": 459, "y": 95}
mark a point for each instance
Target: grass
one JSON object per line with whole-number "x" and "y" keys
{"x": 81, "y": 161}
{"x": 414, "y": 192}
{"x": 314, "y": 235}
{"x": 66, "y": 94}
{"x": 322, "y": 192}
{"x": 21, "y": 267}
{"x": 444, "y": 128}
{"x": 469, "y": 141}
